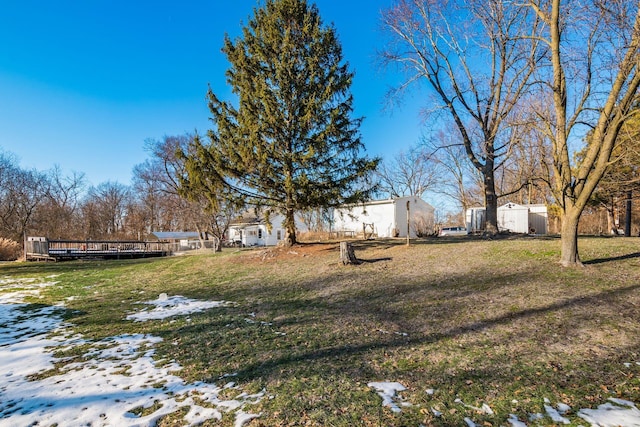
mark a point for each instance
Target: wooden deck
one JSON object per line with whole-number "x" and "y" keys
{"x": 42, "y": 249}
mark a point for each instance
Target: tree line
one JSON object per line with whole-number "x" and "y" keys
{"x": 63, "y": 206}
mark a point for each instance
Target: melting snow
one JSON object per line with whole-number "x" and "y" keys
{"x": 485, "y": 409}
{"x": 515, "y": 422}
{"x": 177, "y": 305}
{"x": 117, "y": 381}
{"x": 387, "y": 390}
{"x": 618, "y": 413}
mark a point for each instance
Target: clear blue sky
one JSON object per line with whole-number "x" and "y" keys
{"x": 84, "y": 83}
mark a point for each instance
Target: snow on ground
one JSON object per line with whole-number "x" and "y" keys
{"x": 176, "y": 305}
{"x": 387, "y": 390}
{"x": 615, "y": 413}
{"x": 116, "y": 383}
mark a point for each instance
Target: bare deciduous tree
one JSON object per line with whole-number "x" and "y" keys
{"x": 592, "y": 77}
{"x": 478, "y": 57}
{"x": 160, "y": 180}
{"x": 458, "y": 179}
{"x": 57, "y": 215}
{"x": 408, "y": 174}
{"x": 21, "y": 191}
{"x": 104, "y": 210}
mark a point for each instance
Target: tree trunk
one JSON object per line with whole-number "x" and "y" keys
{"x": 290, "y": 237}
{"x": 627, "y": 216}
{"x": 490, "y": 198}
{"x": 347, "y": 255}
{"x": 569, "y": 239}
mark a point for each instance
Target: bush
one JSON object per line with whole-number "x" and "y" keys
{"x": 9, "y": 249}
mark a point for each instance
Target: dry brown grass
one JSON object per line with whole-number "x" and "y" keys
{"x": 496, "y": 322}
{"x": 9, "y": 250}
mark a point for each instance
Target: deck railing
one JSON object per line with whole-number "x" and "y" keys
{"x": 42, "y": 248}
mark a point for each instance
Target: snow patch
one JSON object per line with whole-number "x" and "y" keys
{"x": 615, "y": 413}
{"x": 115, "y": 382}
{"x": 177, "y": 305}
{"x": 387, "y": 390}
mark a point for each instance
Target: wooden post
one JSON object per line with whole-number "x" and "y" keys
{"x": 347, "y": 256}
{"x": 408, "y": 223}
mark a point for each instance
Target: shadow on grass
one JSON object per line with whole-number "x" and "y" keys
{"x": 373, "y": 260}
{"x": 279, "y": 364}
{"x": 611, "y": 259}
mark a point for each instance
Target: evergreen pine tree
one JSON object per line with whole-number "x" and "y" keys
{"x": 288, "y": 142}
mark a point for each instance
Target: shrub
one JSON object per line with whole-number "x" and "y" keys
{"x": 9, "y": 249}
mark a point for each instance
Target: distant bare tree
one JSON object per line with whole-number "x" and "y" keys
{"x": 169, "y": 206}
{"x": 58, "y": 215}
{"x": 409, "y": 173}
{"x": 104, "y": 211}
{"x": 21, "y": 191}
{"x": 458, "y": 179}
{"x": 526, "y": 174}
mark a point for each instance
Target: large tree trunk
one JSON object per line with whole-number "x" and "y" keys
{"x": 290, "y": 237}
{"x": 490, "y": 200}
{"x": 569, "y": 239}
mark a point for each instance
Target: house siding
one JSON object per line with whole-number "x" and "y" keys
{"x": 389, "y": 217}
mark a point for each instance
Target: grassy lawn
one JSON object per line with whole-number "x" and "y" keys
{"x": 459, "y": 323}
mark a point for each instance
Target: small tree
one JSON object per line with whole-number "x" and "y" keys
{"x": 289, "y": 143}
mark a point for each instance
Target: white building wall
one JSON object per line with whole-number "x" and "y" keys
{"x": 422, "y": 216}
{"x": 514, "y": 218}
{"x": 382, "y": 216}
{"x": 389, "y": 217}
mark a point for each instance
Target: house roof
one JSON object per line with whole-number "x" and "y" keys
{"x": 247, "y": 219}
{"x": 175, "y": 235}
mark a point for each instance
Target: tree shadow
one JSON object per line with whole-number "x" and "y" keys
{"x": 393, "y": 341}
{"x": 610, "y": 259}
{"x": 373, "y": 260}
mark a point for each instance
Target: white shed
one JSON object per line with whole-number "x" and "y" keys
{"x": 538, "y": 219}
{"x": 513, "y": 218}
{"x": 530, "y": 219}
{"x": 386, "y": 218}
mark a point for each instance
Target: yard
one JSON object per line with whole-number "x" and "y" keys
{"x": 445, "y": 332}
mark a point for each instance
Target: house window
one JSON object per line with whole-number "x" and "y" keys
{"x": 279, "y": 235}
{"x": 259, "y": 233}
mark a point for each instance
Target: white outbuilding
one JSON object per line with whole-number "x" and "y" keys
{"x": 386, "y": 218}
{"x": 512, "y": 217}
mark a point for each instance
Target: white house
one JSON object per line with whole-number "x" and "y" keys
{"x": 386, "y": 218}
{"x": 528, "y": 219}
{"x": 253, "y": 230}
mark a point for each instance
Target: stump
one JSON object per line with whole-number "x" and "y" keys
{"x": 347, "y": 256}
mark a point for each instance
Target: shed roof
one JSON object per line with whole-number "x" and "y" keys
{"x": 175, "y": 235}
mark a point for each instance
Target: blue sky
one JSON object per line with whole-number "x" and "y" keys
{"x": 84, "y": 83}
